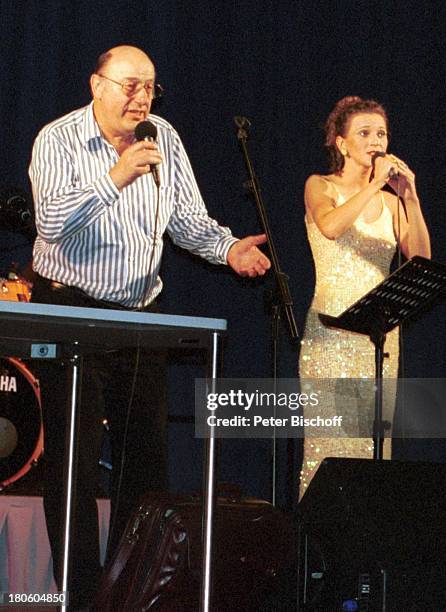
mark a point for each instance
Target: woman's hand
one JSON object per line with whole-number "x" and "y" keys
{"x": 402, "y": 180}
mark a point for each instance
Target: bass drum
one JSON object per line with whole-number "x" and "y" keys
{"x": 21, "y": 428}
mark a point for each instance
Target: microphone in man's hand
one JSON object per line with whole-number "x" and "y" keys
{"x": 392, "y": 173}
{"x": 146, "y": 130}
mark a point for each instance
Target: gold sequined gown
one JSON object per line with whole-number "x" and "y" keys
{"x": 346, "y": 269}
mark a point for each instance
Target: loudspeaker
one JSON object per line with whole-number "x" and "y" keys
{"x": 372, "y": 536}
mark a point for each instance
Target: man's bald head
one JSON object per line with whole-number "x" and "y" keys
{"x": 118, "y": 53}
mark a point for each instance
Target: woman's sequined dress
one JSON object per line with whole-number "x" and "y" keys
{"x": 346, "y": 269}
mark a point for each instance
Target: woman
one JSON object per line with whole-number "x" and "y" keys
{"x": 353, "y": 228}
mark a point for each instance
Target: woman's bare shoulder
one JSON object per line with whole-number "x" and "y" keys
{"x": 325, "y": 183}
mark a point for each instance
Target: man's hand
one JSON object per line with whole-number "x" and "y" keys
{"x": 134, "y": 162}
{"x": 246, "y": 259}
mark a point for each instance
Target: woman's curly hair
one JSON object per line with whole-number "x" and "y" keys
{"x": 336, "y": 125}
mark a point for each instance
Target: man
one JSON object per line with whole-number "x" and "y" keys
{"x": 100, "y": 221}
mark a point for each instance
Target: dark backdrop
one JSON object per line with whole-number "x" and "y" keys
{"x": 283, "y": 64}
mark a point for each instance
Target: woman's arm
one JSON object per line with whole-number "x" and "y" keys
{"x": 414, "y": 235}
{"x": 321, "y": 206}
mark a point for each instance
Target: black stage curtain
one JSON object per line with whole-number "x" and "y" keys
{"x": 283, "y": 64}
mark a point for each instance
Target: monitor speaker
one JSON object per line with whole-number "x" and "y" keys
{"x": 372, "y": 537}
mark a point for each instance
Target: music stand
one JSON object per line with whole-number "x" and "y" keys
{"x": 407, "y": 291}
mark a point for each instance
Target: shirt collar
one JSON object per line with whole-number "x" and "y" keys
{"x": 92, "y": 135}
{"x": 90, "y": 128}
{"x": 91, "y": 132}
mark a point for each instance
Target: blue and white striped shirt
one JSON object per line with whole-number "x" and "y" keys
{"x": 100, "y": 239}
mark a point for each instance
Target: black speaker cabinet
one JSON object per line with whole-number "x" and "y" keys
{"x": 372, "y": 537}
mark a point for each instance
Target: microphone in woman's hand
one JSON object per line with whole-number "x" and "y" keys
{"x": 392, "y": 172}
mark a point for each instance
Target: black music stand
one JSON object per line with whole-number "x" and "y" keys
{"x": 408, "y": 290}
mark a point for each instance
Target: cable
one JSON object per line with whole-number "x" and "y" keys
{"x": 135, "y": 375}
{"x": 399, "y": 205}
{"x": 155, "y": 233}
{"x": 124, "y": 443}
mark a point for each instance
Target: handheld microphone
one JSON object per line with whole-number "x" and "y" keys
{"x": 146, "y": 130}
{"x": 392, "y": 173}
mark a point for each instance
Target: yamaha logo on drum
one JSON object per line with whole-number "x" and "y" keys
{"x": 8, "y": 383}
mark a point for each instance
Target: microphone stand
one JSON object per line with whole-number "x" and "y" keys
{"x": 281, "y": 300}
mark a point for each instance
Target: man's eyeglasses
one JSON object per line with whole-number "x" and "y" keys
{"x": 131, "y": 87}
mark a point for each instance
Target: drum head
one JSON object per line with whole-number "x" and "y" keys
{"x": 21, "y": 431}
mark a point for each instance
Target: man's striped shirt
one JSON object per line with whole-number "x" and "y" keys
{"x": 99, "y": 239}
